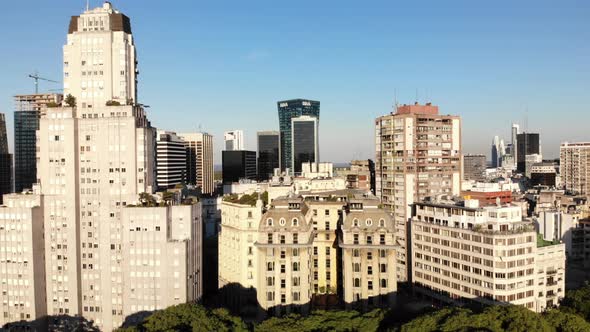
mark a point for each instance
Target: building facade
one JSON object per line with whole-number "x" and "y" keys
{"x": 269, "y": 154}
{"x": 575, "y": 167}
{"x": 544, "y": 173}
{"x": 170, "y": 160}
{"x": 238, "y": 165}
{"x": 527, "y": 144}
{"x": 22, "y": 259}
{"x": 233, "y": 140}
{"x": 199, "y": 160}
{"x": 418, "y": 154}
{"x": 474, "y": 167}
{"x": 289, "y": 109}
{"x": 26, "y": 123}
{"x": 162, "y": 248}
{"x": 465, "y": 253}
{"x": 304, "y": 142}
{"x": 93, "y": 160}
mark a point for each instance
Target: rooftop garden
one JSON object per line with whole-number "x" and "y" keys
{"x": 246, "y": 199}
{"x": 541, "y": 242}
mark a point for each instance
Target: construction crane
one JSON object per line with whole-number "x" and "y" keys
{"x": 36, "y": 77}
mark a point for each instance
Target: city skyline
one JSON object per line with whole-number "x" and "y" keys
{"x": 477, "y": 59}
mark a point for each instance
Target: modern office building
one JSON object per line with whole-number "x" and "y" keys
{"x": 474, "y": 167}
{"x": 304, "y": 142}
{"x": 5, "y": 160}
{"x": 465, "y": 253}
{"x": 26, "y": 123}
{"x": 498, "y": 151}
{"x": 527, "y": 144}
{"x": 238, "y": 165}
{"x": 514, "y": 145}
{"x": 170, "y": 160}
{"x": 163, "y": 254}
{"x": 418, "y": 154}
{"x": 289, "y": 109}
{"x": 22, "y": 291}
{"x": 199, "y": 160}
{"x": 574, "y": 160}
{"x": 233, "y": 140}
{"x": 93, "y": 160}
{"x": 269, "y": 153}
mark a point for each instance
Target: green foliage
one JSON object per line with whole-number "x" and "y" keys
{"x": 167, "y": 197}
{"x": 189, "y": 317}
{"x": 244, "y": 199}
{"x": 264, "y": 198}
{"x": 494, "y": 318}
{"x": 577, "y": 302}
{"x": 52, "y": 104}
{"x": 324, "y": 321}
{"x": 70, "y": 100}
{"x": 566, "y": 322}
{"x": 112, "y": 103}
{"x": 543, "y": 243}
{"x": 147, "y": 200}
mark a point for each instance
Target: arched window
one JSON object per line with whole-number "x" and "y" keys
{"x": 355, "y": 222}
{"x": 369, "y": 222}
{"x": 295, "y": 222}
{"x": 269, "y": 222}
{"x": 381, "y": 222}
{"x": 356, "y": 267}
{"x": 357, "y": 282}
{"x": 356, "y": 253}
{"x": 282, "y": 222}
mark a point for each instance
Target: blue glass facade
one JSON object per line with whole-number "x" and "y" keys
{"x": 289, "y": 109}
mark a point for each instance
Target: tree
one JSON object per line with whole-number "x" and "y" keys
{"x": 147, "y": 199}
{"x": 70, "y": 100}
{"x": 577, "y": 301}
{"x": 167, "y": 197}
{"x": 324, "y": 321}
{"x": 52, "y": 104}
{"x": 264, "y": 198}
{"x": 112, "y": 103}
{"x": 566, "y": 322}
{"x": 189, "y": 317}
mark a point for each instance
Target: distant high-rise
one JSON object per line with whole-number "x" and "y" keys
{"x": 199, "y": 160}
{"x": 514, "y": 144}
{"x": 418, "y": 155}
{"x": 288, "y": 110}
{"x": 304, "y": 141}
{"x": 5, "y": 160}
{"x": 170, "y": 160}
{"x": 574, "y": 161}
{"x": 269, "y": 147}
{"x": 527, "y": 144}
{"x": 26, "y": 123}
{"x": 238, "y": 165}
{"x": 474, "y": 167}
{"x": 233, "y": 140}
{"x": 498, "y": 151}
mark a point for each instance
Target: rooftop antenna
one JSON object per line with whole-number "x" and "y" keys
{"x": 87, "y": 5}
{"x": 395, "y": 100}
{"x": 416, "y": 100}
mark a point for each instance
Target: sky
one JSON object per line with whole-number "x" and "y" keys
{"x": 223, "y": 65}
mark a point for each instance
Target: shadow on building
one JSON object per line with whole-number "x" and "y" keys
{"x": 61, "y": 323}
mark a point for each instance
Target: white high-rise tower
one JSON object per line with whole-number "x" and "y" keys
{"x": 93, "y": 160}
{"x": 99, "y": 58}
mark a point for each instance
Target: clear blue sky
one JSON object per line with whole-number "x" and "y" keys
{"x": 223, "y": 64}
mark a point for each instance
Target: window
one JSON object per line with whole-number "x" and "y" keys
{"x": 356, "y": 267}
{"x": 283, "y": 298}
{"x": 370, "y": 285}
{"x": 327, "y": 251}
{"x": 382, "y": 253}
{"x": 296, "y": 266}
{"x": 369, "y": 222}
{"x": 369, "y": 255}
{"x": 270, "y": 296}
{"x": 327, "y": 212}
{"x": 283, "y": 283}
{"x": 355, "y": 238}
{"x": 283, "y": 268}
{"x": 369, "y": 239}
{"x": 283, "y": 254}
{"x": 381, "y": 222}
{"x": 296, "y": 281}
{"x": 269, "y": 238}
{"x": 296, "y": 296}
{"x": 356, "y": 253}
{"x": 295, "y": 222}
{"x": 270, "y": 281}
{"x": 357, "y": 282}
{"x": 381, "y": 238}
{"x": 282, "y": 222}
{"x": 383, "y": 268}
{"x": 270, "y": 266}
{"x": 327, "y": 225}
{"x": 369, "y": 270}
{"x": 295, "y": 238}
{"x": 282, "y": 239}
{"x": 315, "y": 213}
{"x": 295, "y": 252}
{"x": 355, "y": 223}
{"x": 269, "y": 222}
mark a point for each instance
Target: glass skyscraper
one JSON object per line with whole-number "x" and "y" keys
{"x": 268, "y": 153}
{"x": 304, "y": 146}
{"x": 289, "y": 109}
{"x": 26, "y": 123}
